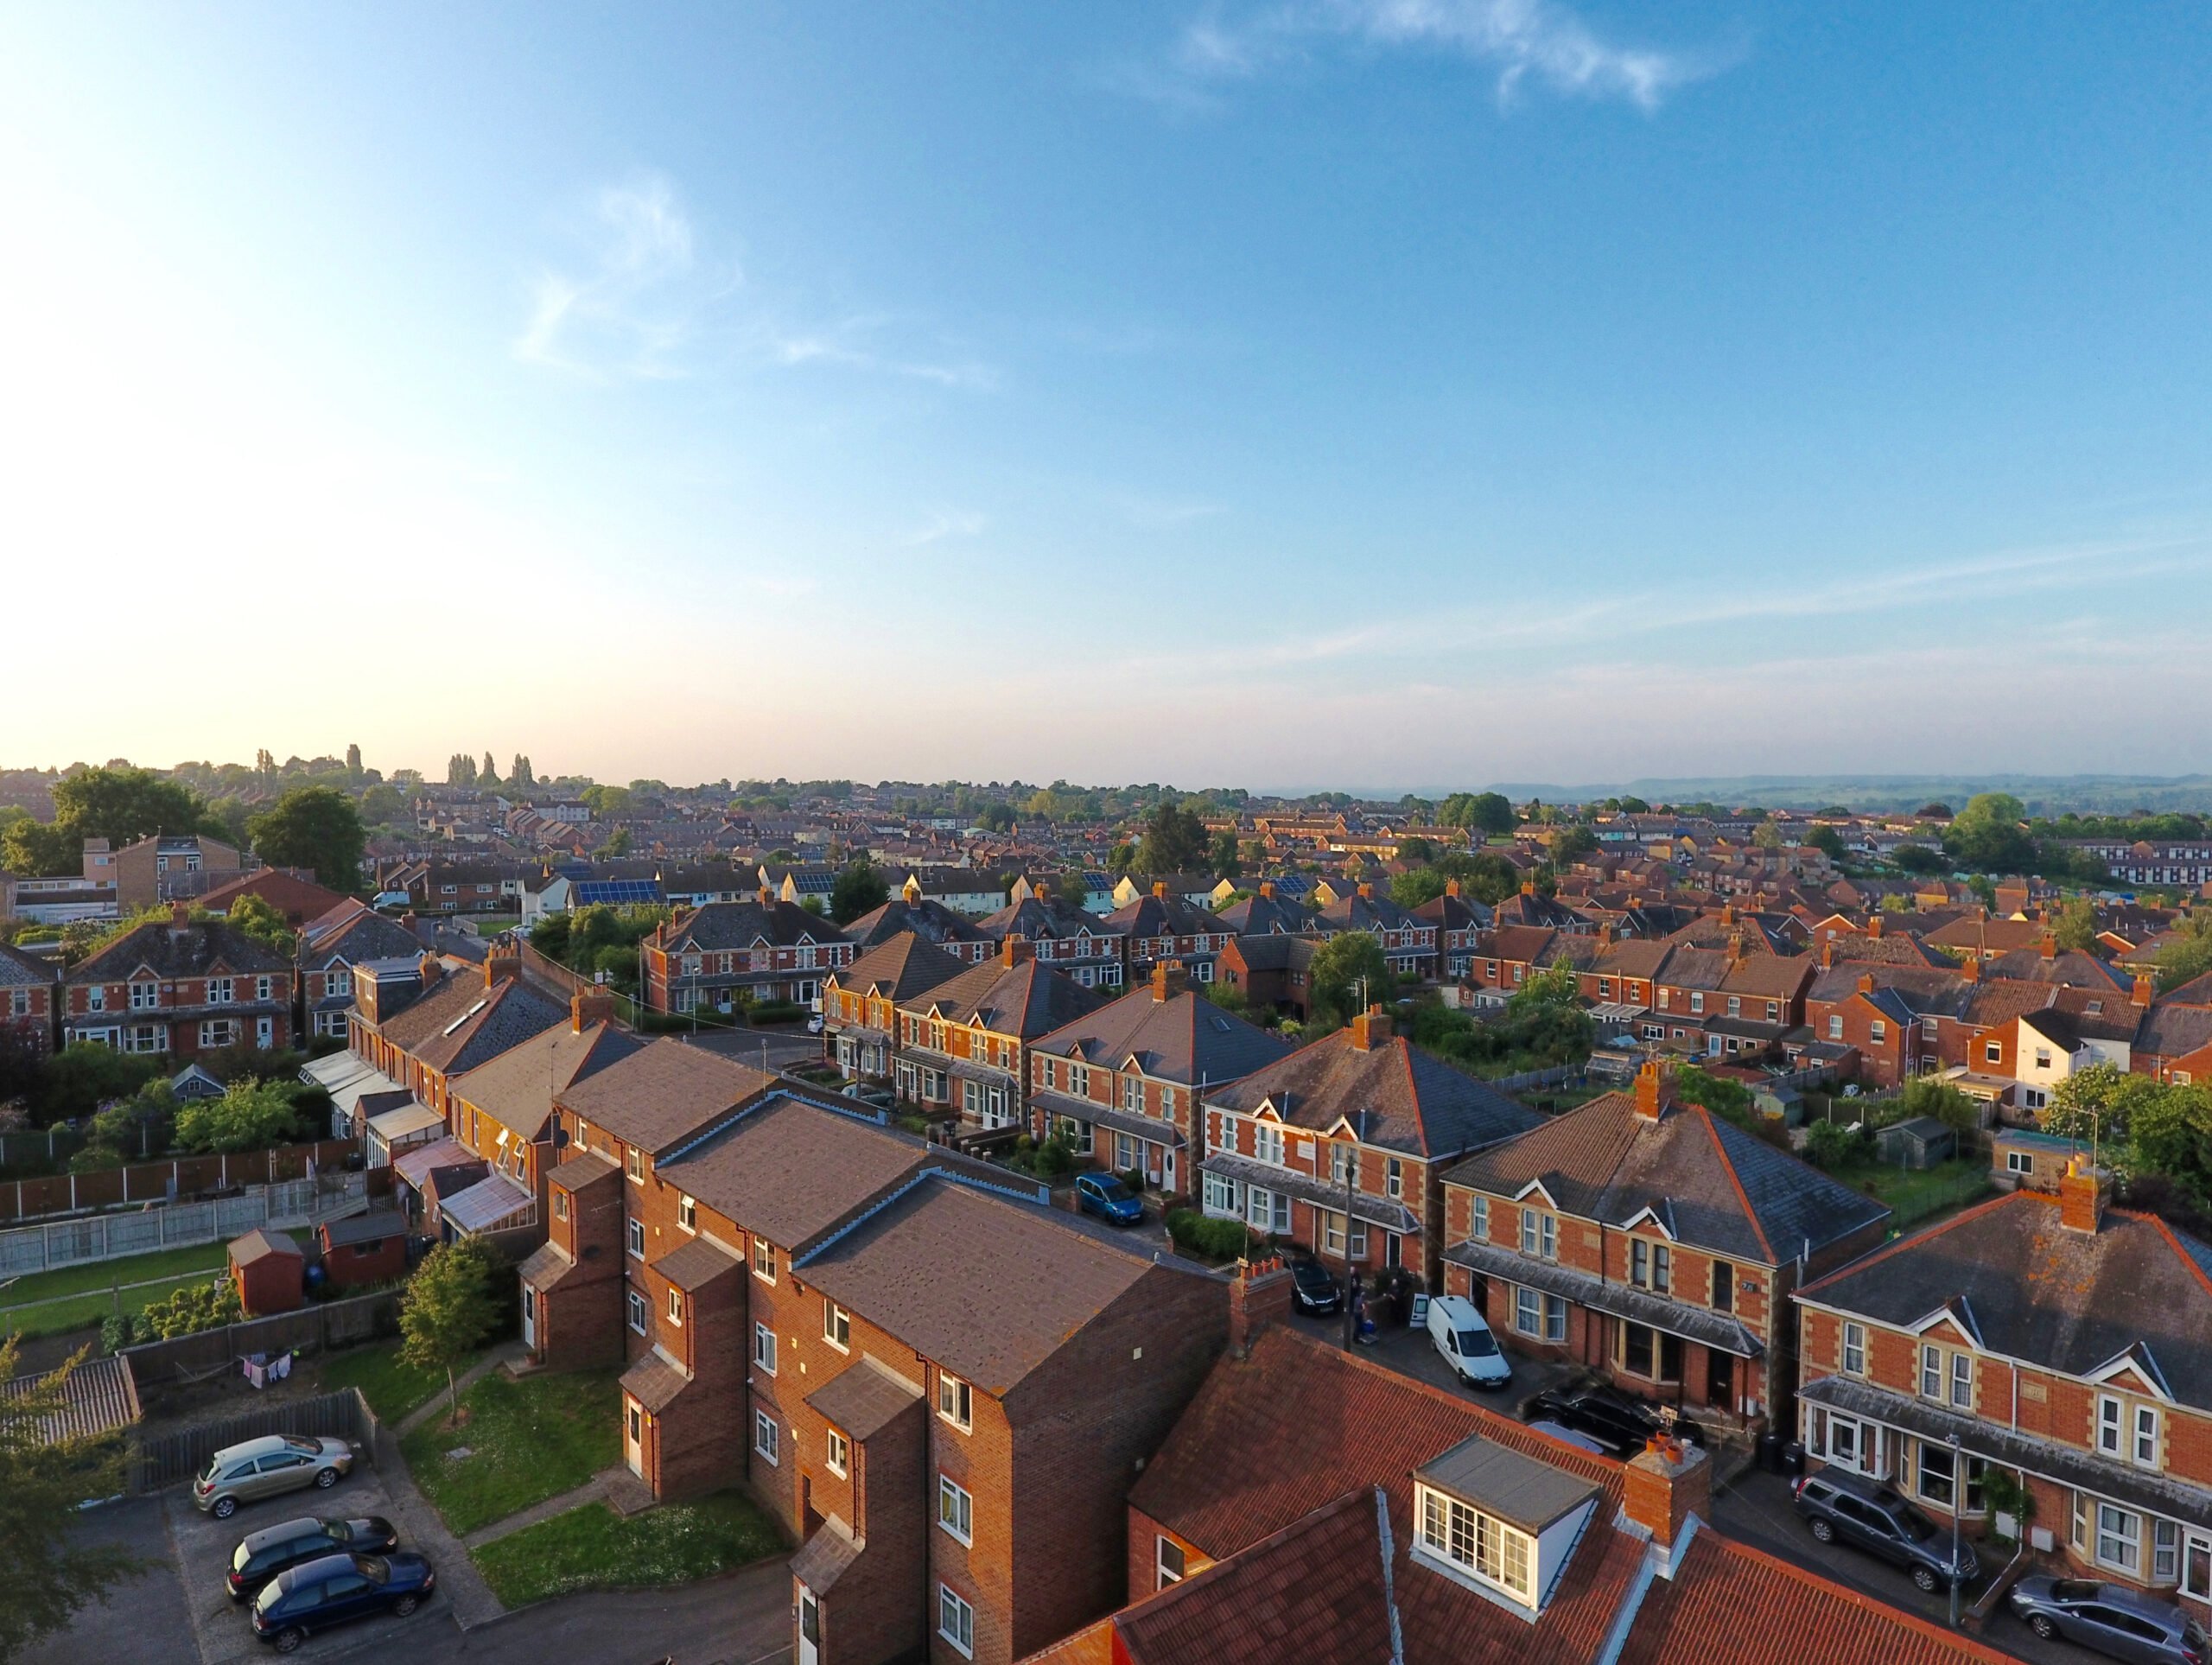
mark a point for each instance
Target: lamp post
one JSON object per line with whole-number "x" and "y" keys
{"x": 1958, "y": 1506}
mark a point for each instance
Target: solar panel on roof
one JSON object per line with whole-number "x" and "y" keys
{"x": 618, "y": 892}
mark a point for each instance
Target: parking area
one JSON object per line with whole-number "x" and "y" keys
{"x": 143, "y": 1620}
{"x": 1410, "y": 1352}
{"x": 220, "y": 1627}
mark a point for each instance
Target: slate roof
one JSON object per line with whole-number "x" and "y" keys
{"x": 171, "y": 951}
{"x": 371, "y": 1227}
{"x": 1026, "y": 1001}
{"x": 1710, "y": 1183}
{"x": 2072, "y": 967}
{"x": 1263, "y": 916}
{"x": 719, "y": 925}
{"x": 21, "y": 970}
{"x": 931, "y": 921}
{"x": 460, "y": 1023}
{"x": 2171, "y": 1029}
{"x": 2068, "y": 1301}
{"x": 1164, "y": 916}
{"x": 1277, "y": 951}
{"x": 518, "y": 1088}
{"x": 900, "y": 967}
{"x": 1396, "y": 1096}
{"x": 661, "y": 1092}
{"x": 695, "y": 1262}
{"x": 924, "y": 1266}
{"x": 654, "y": 1382}
{"x": 792, "y": 1170}
{"x": 1038, "y": 919}
{"x": 1185, "y": 1038}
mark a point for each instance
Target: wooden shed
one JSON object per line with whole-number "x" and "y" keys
{"x": 269, "y": 1271}
{"x": 363, "y": 1249}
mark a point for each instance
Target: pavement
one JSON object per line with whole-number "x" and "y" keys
{"x": 740, "y": 1618}
{"x": 784, "y": 1049}
{"x": 142, "y": 1620}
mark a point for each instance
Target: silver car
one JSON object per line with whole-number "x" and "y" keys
{"x": 262, "y": 1468}
{"x": 2110, "y": 1618}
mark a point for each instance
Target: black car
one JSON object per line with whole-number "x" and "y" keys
{"x": 1313, "y": 1288}
{"x": 1838, "y": 1504}
{"x": 1620, "y": 1424}
{"x": 262, "y": 1555}
{"x": 334, "y": 1590}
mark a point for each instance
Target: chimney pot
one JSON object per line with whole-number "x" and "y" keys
{"x": 1874, "y": 927}
{"x": 2143, "y": 989}
{"x": 1370, "y": 1026}
{"x": 588, "y": 1006}
{"x": 1267, "y": 889}
{"x": 1168, "y": 979}
{"x": 1160, "y": 888}
{"x": 1666, "y": 1482}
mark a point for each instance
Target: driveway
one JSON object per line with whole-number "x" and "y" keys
{"x": 1410, "y": 1352}
{"x": 1755, "y": 1509}
{"x": 202, "y": 1549}
{"x": 143, "y": 1620}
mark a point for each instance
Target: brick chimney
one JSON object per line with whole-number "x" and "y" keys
{"x": 1606, "y": 934}
{"x": 1369, "y": 1027}
{"x": 1528, "y": 887}
{"x": 180, "y": 914}
{"x": 2082, "y": 1192}
{"x": 588, "y": 1006}
{"x": 498, "y": 968}
{"x": 765, "y": 897}
{"x": 1970, "y": 968}
{"x": 408, "y": 922}
{"x": 1160, "y": 888}
{"x": 1259, "y": 1294}
{"x": 1014, "y": 949}
{"x": 1451, "y": 886}
{"x": 1874, "y": 927}
{"x": 1827, "y": 952}
{"x": 1735, "y": 946}
{"x": 1168, "y": 979}
{"x": 1267, "y": 889}
{"x": 1665, "y": 1484}
{"x": 911, "y": 890}
{"x": 1652, "y": 1091}
{"x": 2143, "y": 989}
{"x": 1865, "y": 982}
{"x": 2050, "y": 945}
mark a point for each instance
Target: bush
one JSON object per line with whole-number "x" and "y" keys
{"x": 777, "y": 1012}
{"x": 188, "y": 1310}
{"x": 1215, "y": 1240}
{"x": 1830, "y": 1145}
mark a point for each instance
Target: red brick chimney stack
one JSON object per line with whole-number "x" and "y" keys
{"x": 588, "y": 1006}
{"x": 1014, "y": 949}
{"x": 1651, "y": 1093}
{"x": 2082, "y": 1192}
{"x": 1259, "y": 1295}
{"x": 1665, "y": 1484}
{"x": 2143, "y": 990}
{"x": 1160, "y": 888}
{"x": 1369, "y": 1027}
{"x": 1168, "y": 979}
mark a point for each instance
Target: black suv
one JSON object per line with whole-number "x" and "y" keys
{"x": 1837, "y": 1504}
{"x": 1313, "y": 1288}
{"x": 1620, "y": 1424}
{"x": 262, "y": 1555}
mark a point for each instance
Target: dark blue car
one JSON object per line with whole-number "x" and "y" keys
{"x": 334, "y": 1590}
{"x": 1106, "y": 1195}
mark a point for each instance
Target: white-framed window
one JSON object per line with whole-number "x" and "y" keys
{"x": 1394, "y": 1178}
{"x": 956, "y": 1620}
{"x": 634, "y": 1164}
{"x": 956, "y": 1403}
{"x": 1126, "y": 1148}
{"x": 636, "y": 1302}
{"x": 635, "y": 1231}
{"x": 687, "y": 1213}
{"x": 2119, "y": 1538}
{"x": 1938, "y": 1480}
{"x": 675, "y": 1307}
{"x": 1539, "y": 1234}
{"x": 1835, "y": 1028}
{"x": 1528, "y": 1310}
{"x": 764, "y": 1348}
{"x": 1266, "y": 1210}
{"x": 1220, "y": 1194}
{"x": 96, "y": 998}
{"x": 1132, "y": 1095}
{"x": 1478, "y": 1220}
{"x": 145, "y": 996}
{"x": 149, "y": 1038}
{"x": 2020, "y": 1162}
{"x": 2196, "y": 1567}
{"x": 560, "y": 1203}
{"x": 836, "y": 1326}
{"x": 1931, "y": 1371}
{"x": 1853, "y": 1360}
{"x": 1341, "y": 1164}
{"x": 2111, "y": 1419}
{"x": 764, "y": 1259}
{"x": 2145, "y": 1446}
{"x": 837, "y": 1455}
{"x": 2165, "y": 1552}
{"x": 264, "y": 989}
{"x": 1962, "y": 1381}
{"x": 955, "y": 1509}
{"x": 1493, "y": 1552}
{"x": 217, "y": 1032}
{"x": 1169, "y": 1563}
{"x": 1267, "y": 1143}
{"x": 218, "y": 991}
{"x": 767, "y": 1438}
{"x": 1650, "y": 1265}
{"x": 1332, "y": 1236}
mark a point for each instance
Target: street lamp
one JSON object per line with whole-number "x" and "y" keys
{"x": 1958, "y": 1505}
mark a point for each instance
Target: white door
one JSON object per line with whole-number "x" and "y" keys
{"x": 809, "y": 1627}
{"x": 633, "y": 1437}
{"x": 528, "y": 1315}
{"x": 264, "y": 1032}
{"x": 1167, "y": 1170}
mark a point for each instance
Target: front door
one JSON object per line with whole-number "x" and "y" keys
{"x": 809, "y": 1627}
{"x": 1721, "y": 1379}
{"x": 529, "y": 1317}
{"x": 633, "y": 1437}
{"x": 1167, "y": 1170}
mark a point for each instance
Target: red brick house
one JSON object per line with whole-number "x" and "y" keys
{"x": 27, "y": 987}
{"x": 1161, "y": 926}
{"x": 2064, "y": 1342}
{"x": 948, "y": 932}
{"x": 859, "y": 1004}
{"x": 180, "y": 986}
{"x": 1409, "y": 942}
{"x": 1457, "y": 923}
{"x": 763, "y": 949}
{"x": 1274, "y": 971}
{"x": 964, "y": 1046}
{"x": 1078, "y": 944}
{"x": 1654, "y": 1243}
{"x": 1360, "y": 1112}
{"x": 423, "y": 1027}
{"x": 1121, "y": 1084}
{"x": 331, "y": 945}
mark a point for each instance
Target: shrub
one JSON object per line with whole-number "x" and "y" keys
{"x": 188, "y": 1310}
{"x": 1830, "y": 1145}
{"x": 1217, "y": 1240}
{"x": 777, "y": 1012}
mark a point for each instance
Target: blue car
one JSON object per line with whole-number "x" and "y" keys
{"x": 1106, "y": 1195}
{"x": 335, "y": 1589}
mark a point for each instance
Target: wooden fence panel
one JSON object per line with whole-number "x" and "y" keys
{"x": 155, "y": 1365}
{"x": 167, "y": 1459}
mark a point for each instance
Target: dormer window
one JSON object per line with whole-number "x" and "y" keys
{"x": 1482, "y": 1545}
{"x": 1501, "y": 1523}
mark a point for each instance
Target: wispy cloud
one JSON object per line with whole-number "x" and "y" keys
{"x": 642, "y": 301}
{"x": 1518, "y": 41}
{"x": 945, "y": 524}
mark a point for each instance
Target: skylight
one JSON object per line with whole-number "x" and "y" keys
{"x": 465, "y": 1016}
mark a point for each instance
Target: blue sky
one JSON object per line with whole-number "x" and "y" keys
{"x": 1373, "y": 393}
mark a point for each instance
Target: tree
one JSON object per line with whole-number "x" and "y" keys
{"x": 258, "y": 918}
{"x": 1828, "y": 840}
{"x": 1925, "y": 1096}
{"x": 316, "y": 828}
{"x": 40, "y": 849}
{"x": 518, "y": 774}
{"x": 1414, "y": 850}
{"x": 1989, "y": 835}
{"x": 1174, "y": 842}
{"x": 447, "y": 1310}
{"x": 1918, "y": 858}
{"x": 380, "y": 803}
{"x": 617, "y": 844}
{"x": 995, "y": 817}
{"x": 251, "y": 1115}
{"x": 2075, "y": 928}
{"x": 47, "y": 1570}
{"x": 85, "y": 1075}
{"x": 1934, "y": 812}
{"x": 1485, "y": 812}
{"x": 1635, "y": 806}
{"x": 1571, "y": 844}
{"x": 1557, "y": 985}
{"x": 605, "y": 801}
{"x": 1347, "y": 969}
{"x": 858, "y": 889}
{"x": 2190, "y": 955}
{"x": 1074, "y": 890}
{"x": 1767, "y": 836}
{"x": 125, "y": 805}
{"x": 460, "y": 770}
{"x": 489, "y": 774}
{"x": 1417, "y": 889}
{"x": 354, "y": 762}
{"x": 1120, "y": 858}
{"x": 1225, "y": 857}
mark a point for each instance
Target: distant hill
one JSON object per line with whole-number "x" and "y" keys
{"x": 2042, "y": 794}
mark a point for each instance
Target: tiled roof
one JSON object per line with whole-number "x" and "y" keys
{"x": 865, "y": 1398}
{"x": 171, "y": 950}
{"x": 899, "y": 967}
{"x": 654, "y": 1382}
{"x": 1023, "y": 1001}
{"x": 1185, "y": 1038}
{"x": 516, "y": 1087}
{"x": 740, "y": 924}
{"x": 21, "y": 970}
{"x": 2171, "y": 1029}
{"x": 662, "y": 1092}
{"x": 1710, "y": 1182}
{"x": 694, "y": 1261}
{"x": 986, "y": 1286}
{"x": 260, "y": 1243}
{"x": 1396, "y": 1096}
{"x": 792, "y": 1170}
{"x": 2068, "y": 1301}
{"x": 930, "y": 920}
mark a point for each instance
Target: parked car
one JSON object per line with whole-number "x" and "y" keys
{"x": 336, "y": 1589}
{"x": 264, "y": 1467}
{"x": 2110, "y": 1618}
{"x": 1620, "y": 1424}
{"x": 262, "y": 1555}
{"x": 1458, "y": 1331}
{"x": 1871, "y": 1517}
{"x": 1313, "y": 1288}
{"x": 1108, "y": 1197}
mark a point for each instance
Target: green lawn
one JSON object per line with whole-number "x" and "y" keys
{"x": 88, "y": 1288}
{"x": 392, "y": 1385}
{"x": 595, "y": 1548}
{"x": 527, "y": 1440}
{"x": 1914, "y": 1194}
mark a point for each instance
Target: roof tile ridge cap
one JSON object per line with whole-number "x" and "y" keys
{"x": 1728, "y": 1166}
{"x": 1853, "y": 1268}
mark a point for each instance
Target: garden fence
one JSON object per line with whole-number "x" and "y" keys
{"x": 167, "y": 1459}
{"x": 26, "y": 1249}
{"x": 155, "y": 1365}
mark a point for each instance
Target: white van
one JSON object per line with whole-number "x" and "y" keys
{"x": 1458, "y": 1333}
